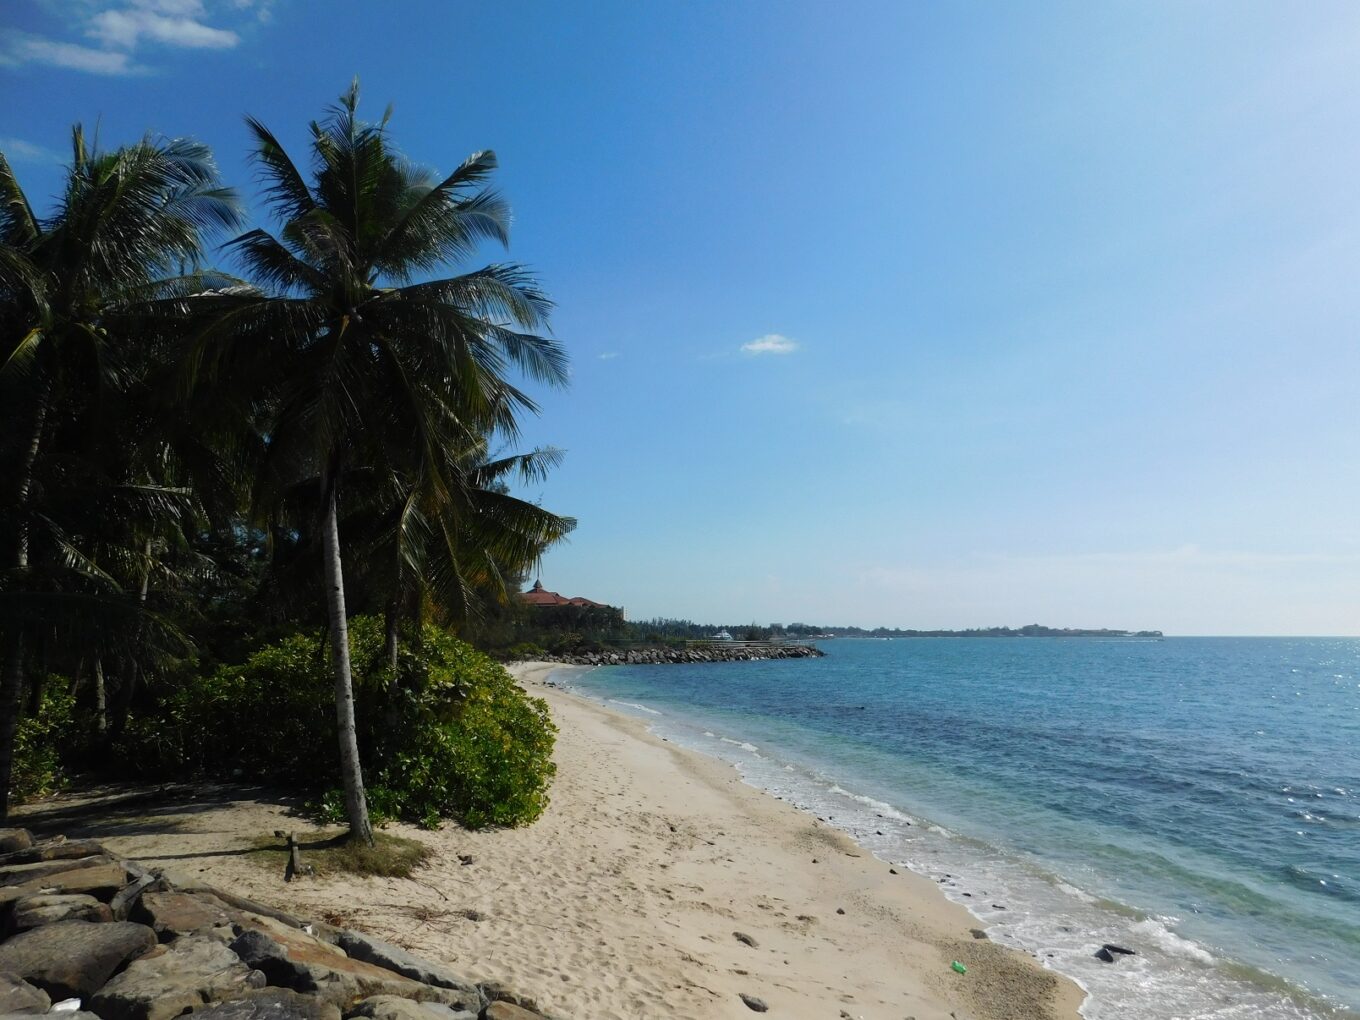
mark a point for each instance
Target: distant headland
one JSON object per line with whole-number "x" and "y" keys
{"x": 1029, "y": 630}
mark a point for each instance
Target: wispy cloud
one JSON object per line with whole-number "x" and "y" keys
{"x": 124, "y": 29}
{"x": 17, "y": 150}
{"x": 34, "y": 49}
{"x": 117, "y": 29}
{"x": 770, "y": 343}
{"x": 608, "y": 355}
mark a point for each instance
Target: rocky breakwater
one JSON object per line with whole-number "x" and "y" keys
{"x": 706, "y": 653}
{"x": 87, "y": 934}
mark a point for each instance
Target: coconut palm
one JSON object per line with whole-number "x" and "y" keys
{"x": 448, "y": 554}
{"x": 354, "y": 360}
{"x": 129, "y": 224}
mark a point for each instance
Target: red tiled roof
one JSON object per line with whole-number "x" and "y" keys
{"x": 540, "y": 596}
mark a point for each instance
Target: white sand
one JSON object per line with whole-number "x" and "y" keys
{"x": 622, "y": 900}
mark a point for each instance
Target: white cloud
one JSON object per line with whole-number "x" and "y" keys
{"x": 34, "y": 49}
{"x": 16, "y": 149}
{"x": 608, "y": 355}
{"x": 124, "y": 29}
{"x": 770, "y": 343}
{"x": 120, "y": 27}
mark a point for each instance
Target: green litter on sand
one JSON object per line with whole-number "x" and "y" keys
{"x": 959, "y": 967}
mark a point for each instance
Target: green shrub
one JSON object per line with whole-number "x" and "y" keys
{"x": 39, "y": 747}
{"x": 453, "y": 736}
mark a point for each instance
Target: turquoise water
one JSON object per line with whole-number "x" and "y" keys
{"x": 1196, "y": 799}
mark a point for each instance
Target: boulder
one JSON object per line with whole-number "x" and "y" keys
{"x": 390, "y": 957}
{"x": 390, "y": 1007}
{"x": 18, "y": 997}
{"x": 191, "y": 971}
{"x": 15, "y": 839}
{"x": 270, "y": 1004}
{"x": 74, "y": 959}
{"x": 101, "y": 880}
{"x": 500, "y": 1010}
{"x": 59, "y": 849}
{"x": 293, "y": 959}
{"x": 172, "y": 914}
{"x": 754, "y": 1003}
{"x": 22, "y": 874}
{"x": 48, "y": 908}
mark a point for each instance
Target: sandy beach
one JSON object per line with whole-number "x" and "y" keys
{"x": 625, "y": 899}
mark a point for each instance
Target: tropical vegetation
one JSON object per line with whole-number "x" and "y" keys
{"x": 214, "y": 468}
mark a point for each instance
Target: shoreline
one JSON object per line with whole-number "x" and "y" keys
{"x": 625, "y": 899}
{"x": 904, "y": 905}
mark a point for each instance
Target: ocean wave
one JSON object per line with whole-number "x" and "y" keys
{"x": 880, "y": 807}
{"x": 739, "y": 743}
{"x": 1155, "y": 931}
{"x": 631, "y": 704}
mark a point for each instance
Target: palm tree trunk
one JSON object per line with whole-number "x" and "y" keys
{"x": 12, "y": 678}
{"x": 26, "y": 476}
{"x": 101, "y": 717}
{"x": 11, "y": 697}
{"x": 135, "y": 671}
{"x": 356, "y": 805}
{"x": 393, "y": 611}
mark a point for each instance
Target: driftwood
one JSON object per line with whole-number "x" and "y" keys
{"x": 127, "y": 897}
{"x": 241, "y": 903}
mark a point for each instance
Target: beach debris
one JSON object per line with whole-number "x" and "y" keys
{"x": 997, "y": 906}
{"x": 814, "y": 860}
{"x": 466, "y": 859}
{"x": 742, "y": 937}
{"x": 977, "y": 933}
{"x": 892, "y": 871}
{"x": 753, "y": 1003}
{"x": 1109, "y": 950}
{"x": 958, "y": 968}
{"x": 840, "y": 910}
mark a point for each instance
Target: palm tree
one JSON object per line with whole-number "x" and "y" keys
{"x": 129, "y": 225}
{"x": 352, "y": 365}
{"x": 449, "y": 553}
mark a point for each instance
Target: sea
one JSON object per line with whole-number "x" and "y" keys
{"x": 1196, "y": 800}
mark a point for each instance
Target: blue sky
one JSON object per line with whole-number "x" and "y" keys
{"x": 909, "y": 314}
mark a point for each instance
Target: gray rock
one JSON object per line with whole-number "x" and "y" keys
{"x": 48, "y": 908}
{"x": 753, "y": 1003}
{"x": 74, "y": 959}
{"x": 390, "y": 1007}
{"x": 293, "y": 959}
{"x": 17, "y": 996}
{"x": 501, "y": 1010}
{"x": 15, "y": 839}
{"x": 59, "y": 849}
{"x": 191, "y": 971}
{"x": 384, "y": 954}
{"x": 172, "y": 914}
{"x": 101, "y": 880}
{"x": 21, "y": 874}
{"x": 270, "y": 1004}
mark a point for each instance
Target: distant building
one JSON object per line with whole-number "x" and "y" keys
{"x": 572, "y": 613}
{"x": 540, "y": 596}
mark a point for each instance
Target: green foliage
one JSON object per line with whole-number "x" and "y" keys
{"x": 39, "y": 747}
{"x": 453, "y": 736}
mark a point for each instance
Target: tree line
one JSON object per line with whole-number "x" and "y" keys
{"x": 312, "y": 428}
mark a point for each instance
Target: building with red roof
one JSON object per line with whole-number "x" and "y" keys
{"x": 541, "y": 597}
